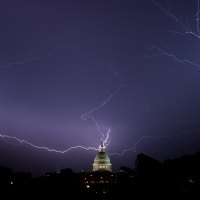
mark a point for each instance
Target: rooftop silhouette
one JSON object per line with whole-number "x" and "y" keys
{"x": 178, "y": 178}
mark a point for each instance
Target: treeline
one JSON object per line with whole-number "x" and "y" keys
{"x": 178, "y": 178}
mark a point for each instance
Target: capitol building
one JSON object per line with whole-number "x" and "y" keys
{"x": 102, "y": 161}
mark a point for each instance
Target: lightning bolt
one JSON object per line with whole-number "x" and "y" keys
{"x": 186, "y": 30}
{"x": 106, "y": 141}
{"x": 133, "y": 148}
{"x": 170, "y": 14}
{"x": 161, "y": 52}
{"x": 100, "y": 106}
{"x": 90, "y": 114}
{"x": 197, "y": 19}
{"x": 26, "y": 60}
{"x": 21, "y": 141}
{"x": 104, "y": 137}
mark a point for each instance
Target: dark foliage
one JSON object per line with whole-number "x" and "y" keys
{"x": 178, "y": 178}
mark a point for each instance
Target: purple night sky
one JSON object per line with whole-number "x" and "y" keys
{"x": 60, "y": 59}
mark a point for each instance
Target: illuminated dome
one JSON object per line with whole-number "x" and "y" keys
{"x": 102, "y": 161}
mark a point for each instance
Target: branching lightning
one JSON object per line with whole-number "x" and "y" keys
{"x": 104, "y": 137}
{"x": 186, "y": 31}
{"x": 160, "y": 52}
{"x": 90, "y": 114}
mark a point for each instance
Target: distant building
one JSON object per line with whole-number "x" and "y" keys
{"x": 102, "y": 161}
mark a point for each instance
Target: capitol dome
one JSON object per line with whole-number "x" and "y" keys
{"x": 102, "y": 161}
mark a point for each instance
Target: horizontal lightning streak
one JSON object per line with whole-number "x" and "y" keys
{"x": 152, "y": 137}
{"x": 26, "y": 60}
{"x": 186, "y": 33}
{"x": 21, "y": 141}
{"x": 106, "y": 141}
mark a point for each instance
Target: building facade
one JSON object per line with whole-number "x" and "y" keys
{"x": 102, "y": 161}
